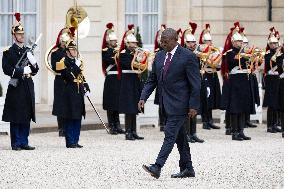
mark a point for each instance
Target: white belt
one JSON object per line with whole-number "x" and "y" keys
{"x": 210, "y": 70}
{"x": 112, "y": 72}
{"x": 109, "y": 67}
{"x": 129, "y": 71}
{"x": 270, "y": 72}
{"x": 282, "y": 76}
{"x": 239, "y": 71}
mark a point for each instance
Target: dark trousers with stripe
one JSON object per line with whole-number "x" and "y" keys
{"x": 72, "y": 131}
{"x": 19, "y": 133}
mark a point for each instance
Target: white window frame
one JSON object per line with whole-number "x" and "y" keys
{"x": 140, "y": 14}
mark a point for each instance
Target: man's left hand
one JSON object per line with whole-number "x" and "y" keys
{"x": 192, "y": 113}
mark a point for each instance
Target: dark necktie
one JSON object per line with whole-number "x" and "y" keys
{"x": 167, "y": 64}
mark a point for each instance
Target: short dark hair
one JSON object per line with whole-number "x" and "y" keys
{"x": 170, "y": 33}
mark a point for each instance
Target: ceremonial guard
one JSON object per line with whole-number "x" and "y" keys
{"x": 73, "y": 105}
{"x": 179, "y": 33}
{"x": 158, "y": 48}
{"x": 239, "y": 96}
{"x": 209, "y": 66}
{"x": 280, "y": 69}
{"x": 188, "y": 41}
{"x": 253, "y": 66}
{"x": 57, "y": 53}
{"x": 130, "y": 87}
{"x": 110, "y": 68}
{"x": 19, "y": 63}
{"x": 271, "y": 95}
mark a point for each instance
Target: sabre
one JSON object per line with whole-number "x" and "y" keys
{"x": 107, "y": 130}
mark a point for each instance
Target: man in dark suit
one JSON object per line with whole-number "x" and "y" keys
{"x": 175, "y": 70}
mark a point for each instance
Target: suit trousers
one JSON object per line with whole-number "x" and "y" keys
{"x": 175, "y": 133}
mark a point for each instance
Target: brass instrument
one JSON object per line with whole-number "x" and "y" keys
{"x": 77, "y": 18}
{"x": 139, "y": 62}
{"x": 210, "y": 57}
{"x": 273, "y": 58}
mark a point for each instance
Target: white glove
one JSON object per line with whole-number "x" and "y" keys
{"x": 31, "y": 58}
{"x": 208, "y": 92}
{"x": 27, "y": 70}
{"x": 78, "y": 62}
{"x": 87, "y": 94}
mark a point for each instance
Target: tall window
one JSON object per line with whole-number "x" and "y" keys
{"x": 28, "y": 10}
{"x": 145, "y": 14}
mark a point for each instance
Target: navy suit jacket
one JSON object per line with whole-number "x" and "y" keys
{"x": 179, "y": 91}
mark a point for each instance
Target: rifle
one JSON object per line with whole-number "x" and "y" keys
{"x": 14, "y": 81}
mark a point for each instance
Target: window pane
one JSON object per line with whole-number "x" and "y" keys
{"x": 150, "y": 5}
{"x": 6, "y": 6}
{"x": 29, "y": 22}
{"x": 150, "y": 26}
{"x": 131, "y": 19}
{"x": 131, "y": 6}
{"x": 6, "y": 37}
{"x": 27, "y": 5}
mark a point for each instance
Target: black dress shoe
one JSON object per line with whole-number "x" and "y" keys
{"x": 271, "y": 130}
{"x": 162, "y": 128}
{"x": 61, "y": 133}
{"x": 27, "y": 147}
{"x": 206, "y": 126}
{"x": 282, "y": 135}
{"x": 277, "y": 129}
{"x": 153, "y": 169}
{"x": 137, "y": 137}
{"x": 228, "y": 132}
{"x": 194, "y": 137}
{"x": 113, "y": 131}
{"x": 120, "y": 130}
{"x": 236, "y": 136}
{"x": 249, "y": 124}
{"x": 72, "y": 146}
{"x": 190, "y": 139}
{"x": 79, "y": 146}
{"x": 16, "y": 148}
{"x": 184, "y": 174}
{"x": 129, "y": 136}
{"x": 212, "y": 126}
{"x": 244, "y": 137}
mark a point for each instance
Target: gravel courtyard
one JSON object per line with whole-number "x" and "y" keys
{"x": 111, "y": 162}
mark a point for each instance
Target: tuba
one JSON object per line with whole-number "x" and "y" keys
{"x": 139, "y": 62}
{"x": 77, "y": 18}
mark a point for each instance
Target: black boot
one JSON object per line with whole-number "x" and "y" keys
{"x": 282, "y": 123}
{"x": 119, "y": 130}
{"x": 270, "y": 124}
{"x": 211, "y": 122}
{"x": 190, "y": 139}
{"x": 236, "y": 136}
{"x": 133, "y": 125}
{"x": 194, "y": 137}
{"x": 112, "y": 129}
{"x": 228, "y": 131}
{"x": 111, "y": 123}
{"x": 276, "y": 128}
{"x": 128, "y": 134}
{"x": 60, "y": 122}
{"x": 206, "y": 126}
{"x": 242, "y": 123}
{"x": 234, "y": 125}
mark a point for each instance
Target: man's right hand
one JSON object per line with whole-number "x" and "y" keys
{"x": 141, "y": 105}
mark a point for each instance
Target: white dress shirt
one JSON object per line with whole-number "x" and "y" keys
{"x": 172, "y": 53}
